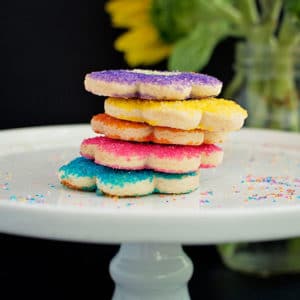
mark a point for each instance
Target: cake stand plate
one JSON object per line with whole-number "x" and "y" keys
{"x": 254, "y": 195}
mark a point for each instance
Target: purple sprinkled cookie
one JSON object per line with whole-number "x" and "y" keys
{"x": 147, "y": 84}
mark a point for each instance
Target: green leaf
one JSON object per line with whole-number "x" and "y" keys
{"x": 194, "y": 51}
{"x": 176, "y": 18}
{"x": 173, "y": 18}
{"x": 293, "y": 7}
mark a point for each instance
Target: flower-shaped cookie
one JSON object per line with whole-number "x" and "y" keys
{"x": 137, "y": 156}
{"x": 83, "y": 174}
{"x": 147, "y": 84}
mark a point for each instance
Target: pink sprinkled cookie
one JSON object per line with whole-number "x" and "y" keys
{"x": 148, "y": 84}
{"x": 163, "y": 158}
{"x": 141, "y": 132}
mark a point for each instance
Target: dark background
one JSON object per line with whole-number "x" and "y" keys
{"x": 46, "y": 49}
{"x": 48, "y": 46}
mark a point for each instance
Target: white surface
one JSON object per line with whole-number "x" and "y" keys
{"x": 232, "y": 204}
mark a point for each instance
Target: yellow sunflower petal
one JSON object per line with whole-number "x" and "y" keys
{"x": 135, "y": 37}
{"x": 148, "y": 56}
{"x": 123, "y": 21}
{"x": 142, "y": 45}
{"x": 128, "y": 13}
{"x": 120, "y": 6}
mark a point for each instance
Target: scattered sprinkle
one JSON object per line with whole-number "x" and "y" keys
{"x": 52, "y": 186}
{"x": 13, "y": 198}
{"x": 205, "y": 201}
{"x": 270, "y": 188}
{"x": 4, "y": 186}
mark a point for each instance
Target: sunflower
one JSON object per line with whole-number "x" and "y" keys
{"x": 141, "y": 43}
{"x": 185, "y": 32}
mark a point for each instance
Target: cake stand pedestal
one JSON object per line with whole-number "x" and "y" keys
{"x": 151, "y": 272}
{"x": 253, "y": 196}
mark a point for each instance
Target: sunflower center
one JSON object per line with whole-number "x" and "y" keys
{"x": 175, "y": 18}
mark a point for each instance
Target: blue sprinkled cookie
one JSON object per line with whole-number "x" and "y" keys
{"x": 84, "y": 174}
{"x": 148, "y": 84}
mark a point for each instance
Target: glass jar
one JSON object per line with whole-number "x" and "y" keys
{"x": 267, "y": 84}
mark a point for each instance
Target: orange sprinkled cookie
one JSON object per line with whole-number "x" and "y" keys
{"x": 141, "y": 132}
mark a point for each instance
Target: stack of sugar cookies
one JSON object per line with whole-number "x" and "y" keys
{"x": 158, "y": 130}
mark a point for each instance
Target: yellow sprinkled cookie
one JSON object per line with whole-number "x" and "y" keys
{"x": 210, "y": 114}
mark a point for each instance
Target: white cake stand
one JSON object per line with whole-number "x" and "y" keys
{"x": 254, "y": 195}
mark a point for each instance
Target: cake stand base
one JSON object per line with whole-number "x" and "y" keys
{"x": 151, "y": 271}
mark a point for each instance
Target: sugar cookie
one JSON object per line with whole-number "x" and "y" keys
{"x": 141, "y": 132}
{"x": 147, "y": 84}
{"x": 163, "y": 158}
{"x": 210, "y": 114}
{"x": 83, "y": 174}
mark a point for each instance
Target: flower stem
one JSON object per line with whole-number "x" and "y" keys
{"x": 249, "y": 10}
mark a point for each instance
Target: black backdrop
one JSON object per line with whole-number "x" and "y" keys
{"x": 46, "y": 49}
